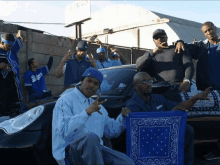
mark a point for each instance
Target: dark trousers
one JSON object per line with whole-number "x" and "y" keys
{"x": 87, "y": 150}
{"x": 189, "y": 146}
{"x": 34, "y": 97}
{"x": 173, "y": 94}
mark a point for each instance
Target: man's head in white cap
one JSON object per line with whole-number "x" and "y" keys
{"x": 7, "y": 41}
{"x": 115, "y": 56}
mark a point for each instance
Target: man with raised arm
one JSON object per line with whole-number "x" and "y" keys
{"x": 103, "y": 61}
{"x": 165, "y": 64}
{"x": 79, "y": 123}
{"x": 144, "y": 101}
{"x": 207, "y": 55}
{"x": 9, "y": 67}
{"x": 73, "y": 65}
{"x": 207, "y": 69}
{"x": 34, "y": 79}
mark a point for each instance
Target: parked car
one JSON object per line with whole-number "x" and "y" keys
{"x": 27, "y": 137}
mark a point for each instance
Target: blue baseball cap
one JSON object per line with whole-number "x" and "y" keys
{"x": 114, "y": 54}
{"x": 99, "y": 50}
{"x": 82, "y": 45}
{"x": 95, "y": 73}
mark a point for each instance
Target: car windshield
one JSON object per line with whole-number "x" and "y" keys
{"x": 116, "y": 81}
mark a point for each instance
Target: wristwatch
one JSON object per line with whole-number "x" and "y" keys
{"x": 187, "y": 80}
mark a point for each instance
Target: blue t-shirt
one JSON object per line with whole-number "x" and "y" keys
{"x": 213, "y": 66}
{"x": 107, "y": 63}
{"x": 36, "y": 79}
{"x": 12, "y": 58}
{"x": 75, "y": 69}
{"x": 157, "y": 103}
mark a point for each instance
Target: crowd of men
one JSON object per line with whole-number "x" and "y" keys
{"x": 79, "y": 122}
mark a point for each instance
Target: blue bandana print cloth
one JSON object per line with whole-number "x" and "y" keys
{"x": 156, "y": 138}
{"x": 203, "y": 107}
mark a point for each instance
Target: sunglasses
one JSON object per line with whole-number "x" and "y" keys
{"x": 147, "y": 82}
{"x": 157, "y": 37}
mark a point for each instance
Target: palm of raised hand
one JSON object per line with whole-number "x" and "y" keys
{"x": 21, "y": 36}
{"x": 68, "y": 55}
{"x": 91, "y": 57}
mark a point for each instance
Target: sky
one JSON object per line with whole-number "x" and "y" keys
{"x": 54, "y": 12}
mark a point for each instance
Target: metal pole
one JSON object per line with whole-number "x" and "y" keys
{"x": 76, "y": 31}
{"x": 80, "y": 31}
{"x": 131, "y": 55}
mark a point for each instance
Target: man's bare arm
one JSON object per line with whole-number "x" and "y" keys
{"x": 92, "y": 61}
{"x": 59, "y": 70}
{"x": 188, "y": 104}
{"x": 144, "y": 60}
{"x": 122, "y": 58}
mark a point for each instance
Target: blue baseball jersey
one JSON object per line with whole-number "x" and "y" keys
{"x": 36, "y": 79}
{"x": 12, "y": 58}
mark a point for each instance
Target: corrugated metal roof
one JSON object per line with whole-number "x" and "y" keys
{"x": 185, "y": 29}
{"x": 178, "y": 20}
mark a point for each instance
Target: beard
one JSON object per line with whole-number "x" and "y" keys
{"x": 147, "y": 94}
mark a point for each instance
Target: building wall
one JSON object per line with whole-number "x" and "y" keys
{"x": 133, "y": 26}
{"x": 116, "y": 17}
{"x": 39, "y": 46}
{"x": 140, "y": 37}
{"x": 146, "y": 33}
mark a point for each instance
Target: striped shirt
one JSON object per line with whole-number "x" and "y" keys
{"x": 12, "y": 57}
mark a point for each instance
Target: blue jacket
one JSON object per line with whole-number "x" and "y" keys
{"x": 199, "y": 51}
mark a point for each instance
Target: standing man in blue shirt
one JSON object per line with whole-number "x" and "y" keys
{"x": 115, "y": 57}
{"x": 103, "y": 61}
{"x": 79, "y": 123}
{"x": 73, "y": 65}
{"x": 34, "y": 80}
{"x": 144, "y": 101}
{"x": 207, "y": 54}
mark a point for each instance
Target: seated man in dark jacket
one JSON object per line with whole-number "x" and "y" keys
{"x": 165, "y": 64}
{"x": 144, "y": 101}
